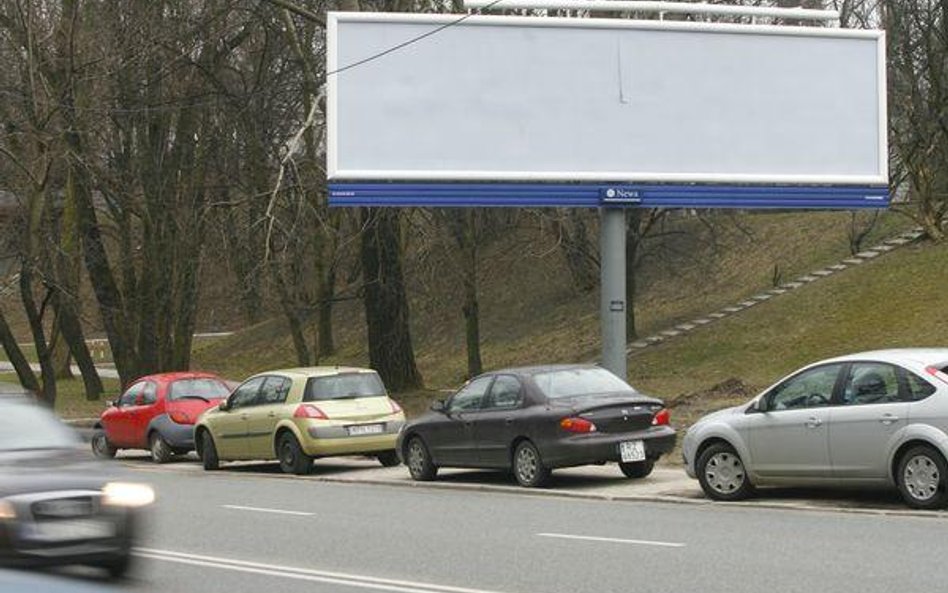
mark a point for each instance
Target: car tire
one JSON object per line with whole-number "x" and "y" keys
{"x": 209, "y": 453}
{"x": 419, "y": 462}
{"x": 637, "y": 469}
{"x": 922, "y": 472}
{"x": 722, "y": 475}
{"x": 160, "y": 449}
{"x": 528, "y": 466}
{"x": 118, "y": 567}
{"x": 388, "y": 459}
{"x": 292, "y": 458}
{"x": 101, "y": 446}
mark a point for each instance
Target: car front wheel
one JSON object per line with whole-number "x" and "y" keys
{"x": 209, "y": 453}
{"x": 420, "y": 465}
{"x": 528, "y": 467}
{"x": 722, "y": 475}
{"x": 101, "y": 446}
{"x": 921, "y": 478}
{"x": 388, "y": 459}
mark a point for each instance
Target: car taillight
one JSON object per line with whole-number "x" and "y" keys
{"x": 309, "y": 411}
{"x": 181, "y": 418}
{"x": 395, "y": 407}
{"x": 661, "y": 417}
{"x": 578, "y": 425}
{"x": 936, "y": 372}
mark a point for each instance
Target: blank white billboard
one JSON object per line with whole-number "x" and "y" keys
{"x": 569, "y": 99}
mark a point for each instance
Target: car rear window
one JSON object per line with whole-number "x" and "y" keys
{"x": 576, "y": 382}
{"x": 28, "y": 426}
{"x": 344, "y": 386}
{"x": 202, "y": 388}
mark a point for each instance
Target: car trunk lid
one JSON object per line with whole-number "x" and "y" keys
{"x": 613, "y": 413}
{"x": 361, "y": 409}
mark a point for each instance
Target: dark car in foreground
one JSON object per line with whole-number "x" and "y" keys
{"x": 536, "y": 419}
{"x": 58, "y": 505}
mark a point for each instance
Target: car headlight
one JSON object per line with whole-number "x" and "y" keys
{"x": 7, "y": 511}
{"x": 126, "y": 494}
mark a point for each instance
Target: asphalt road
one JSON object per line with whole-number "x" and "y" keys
{"x": 233, "y": 532}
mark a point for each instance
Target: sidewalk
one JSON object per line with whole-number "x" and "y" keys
{"x": 668, "y": 484}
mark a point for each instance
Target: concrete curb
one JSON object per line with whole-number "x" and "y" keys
{"x": 572, "y": 495}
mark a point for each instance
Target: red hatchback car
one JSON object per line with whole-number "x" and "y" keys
{"x": 158, "y": 413}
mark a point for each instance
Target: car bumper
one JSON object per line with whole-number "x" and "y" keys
{"x": 325, "y": 441}
{"x": 20, "y": 546}
{"x": 178, "y": 436}
{"x": 604, "y": 447}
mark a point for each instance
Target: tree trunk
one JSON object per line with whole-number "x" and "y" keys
{"x": 327, "y": 290}
{"x": 73, "y": 336}
{"x": 386, "y": 305}
{"x": 22, "y": 366}
{"x": 35, "y": 317}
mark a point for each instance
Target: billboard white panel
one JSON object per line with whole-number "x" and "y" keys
{"x": 562, "y": 99}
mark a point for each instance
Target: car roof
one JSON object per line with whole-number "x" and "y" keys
{"x": 177, "y": 375}
{"x": 321, "y": 371}
{"x": 923, "y": 356}
{"x": 541, "y": 368}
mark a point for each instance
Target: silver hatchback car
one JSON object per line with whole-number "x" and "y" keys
{"x": 870, "y": 419}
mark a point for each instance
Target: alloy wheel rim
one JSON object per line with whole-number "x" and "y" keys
{"x": 416, "y": 458}
{"x": 921, "y": 477}
{"x": 526, "y": 464}
{"x": 724, "y": 472}
{"x": 288, "y": 457}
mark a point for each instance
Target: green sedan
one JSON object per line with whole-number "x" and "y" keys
{"x": 296, "y": 415}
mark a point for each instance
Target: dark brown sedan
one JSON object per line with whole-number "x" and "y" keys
{"x": 536, "y": 419}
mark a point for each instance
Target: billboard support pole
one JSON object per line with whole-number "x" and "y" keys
{"x": 612, "y": 289}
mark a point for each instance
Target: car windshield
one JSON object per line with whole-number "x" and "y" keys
{"x": 202, "y": 388}
{"x": 28, "y": 426}
{"x": 577, "y": 382}
{"x": 345, "y": 386}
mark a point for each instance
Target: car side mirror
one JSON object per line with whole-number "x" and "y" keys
{"x": 759, "y": 406}
{"x": 111, "y": 403}
{"x": 438, "y": 406}
{"x": 224, "y": 405}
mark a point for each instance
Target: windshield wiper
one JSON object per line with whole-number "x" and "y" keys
{"x": 193, "y": 397}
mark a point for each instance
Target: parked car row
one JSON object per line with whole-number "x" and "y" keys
{"x": 528, "y": 420}
{"x": 867, "y": 420}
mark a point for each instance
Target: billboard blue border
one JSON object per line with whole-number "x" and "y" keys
{"x": 586, "y": 195}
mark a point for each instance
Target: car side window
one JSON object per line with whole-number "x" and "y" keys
{"x": 812, "y": 388}
{"x": 246, "y": 394}
{"x": 149, "y": 394}
{"x": 918, "y": 388}
{"x": 274, "y": 390}
{"x": 871, "y": 383}
{"x": 505, "y": 393}
{"x": 471, "y": 396}
{"x": 131, "y": 394}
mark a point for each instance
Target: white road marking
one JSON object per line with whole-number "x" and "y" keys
{"x": 263, "y": 510}
{"x": 303, "y": 574}
{"x": 614, "y": 540}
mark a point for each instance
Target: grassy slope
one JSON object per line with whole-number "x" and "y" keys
{"x": 896, "y": 301}
{"x": 531, "y": 313}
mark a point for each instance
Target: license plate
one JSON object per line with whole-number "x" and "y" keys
{"x": 58, "y": 531}
{"x": 632, "y": 451}
{"x": 364, "y": 429}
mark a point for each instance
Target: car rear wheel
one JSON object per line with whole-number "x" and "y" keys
{"x": 637, "y": 469}
{"x": 528, "y": 467}
{"x": 118, "y": 567}
{"x": 921, "y": 477}
{"x": 292, "y": 458}
{"x": 101, "y": 446}
{"x": 420, "y": 465}
{"x": 388, "y": 459}
{"x": 160, "y": 450}
{"x": 722, "y": 475}
{"x": 209, "y": 453}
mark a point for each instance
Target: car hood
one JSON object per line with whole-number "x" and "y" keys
{"x": 42, "y": 470}
{"x": 721, "y": 414}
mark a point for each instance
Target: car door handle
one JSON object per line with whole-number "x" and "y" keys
{"x": 244, "y": 416}
{"x": 272, "y": 415}
{"x": 508, "y": 421}
{"x": 888, "y": 419}
{"x": 813, "y": 422}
